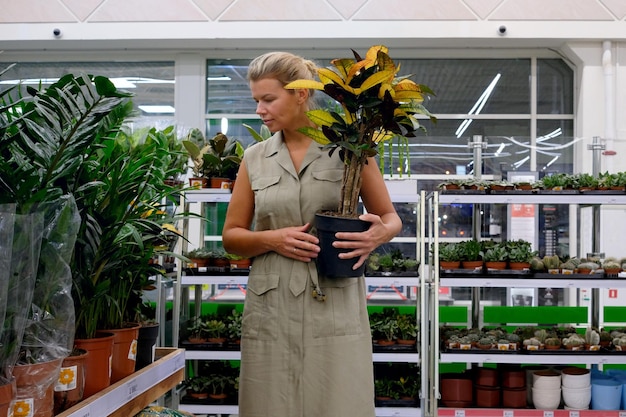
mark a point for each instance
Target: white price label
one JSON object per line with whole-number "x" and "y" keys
{"x": 508, "y": 413}
{"x": 132, "y": 389}
{"x": 574, "y": 414}
{"x": 622, "y": 414}
{"x": 459, "y": 413}
{"x": 548, "y": 414}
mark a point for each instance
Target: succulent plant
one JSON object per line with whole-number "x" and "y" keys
{"x": 552, "y": 341}
{"x": 592, "y": 337}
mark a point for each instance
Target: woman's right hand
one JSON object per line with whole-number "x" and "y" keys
{"x": 297, "y": 243}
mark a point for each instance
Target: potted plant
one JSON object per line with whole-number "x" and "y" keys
{"x": 233, "y": 326}
{"x": 496, "y": 256}
{"x": 519, "y": 253}
{"x": 384, "y": 327}
{"x": 200, "y": 257}
{"x": 407, "y": 329}
{"x": 217, "y": 159}
{"x": 215, "y": 330}
{"x": 449, "y": 255}
{"x": 238, "y": 262}
{"x": 198, "y": 386}
{"x": 219, "y": 384}
{"x": 471, "y": 254}
{"x": 376, "y": 106}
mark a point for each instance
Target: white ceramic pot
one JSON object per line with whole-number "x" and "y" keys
{"x": 546, "y": 399}
{"x": 549, "y": 380}
{"x": 577, "y": 398}
{"x": 574, "y": 377}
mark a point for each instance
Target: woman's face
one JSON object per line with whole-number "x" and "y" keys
{"x": 279, "y": 109}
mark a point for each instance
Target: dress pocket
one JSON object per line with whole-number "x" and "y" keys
{"x": 340, "y": 314}
{"x": 260, "y": 312}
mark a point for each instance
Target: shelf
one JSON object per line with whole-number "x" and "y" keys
{"x": 520, "y": 412}
{"x": 232, "y": 409}
{"x": 133, "y": 393}
{"x": 207, "y": 195}
{"x": 243, "y": 279}
{"x": 555, "y": 359}
{"x": 578, "y": 199}
{"x": 236, "y": 355}
{"x": 486, "y": 281}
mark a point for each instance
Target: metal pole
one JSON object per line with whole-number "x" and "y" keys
{"x": 477, "y": 145}
{"x": 596, "y": 147}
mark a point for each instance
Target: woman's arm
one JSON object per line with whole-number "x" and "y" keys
{"x": 293, "y": 242}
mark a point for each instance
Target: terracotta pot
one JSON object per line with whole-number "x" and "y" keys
{"x": 7, "y": 394}
{"x": 124, "y": 354}
{"x": 449, "y": 264}
{"x": 219, "y": 182}
{"x": 200, "y": 262}
{"x": 456, "y": 390}
{"x": 518, "y": 266}
{"x": 488, "y": 396}
{"x": 405, "y": 342}
{"x": 514, "y": 397}
{"x": 471, "y": 264}
{"x": 98, "y": 363}
{"x": 196, "y": 182}
{"x": 35, "y": 388}
{"x": 497, "y": 265}
{"x": 70, "y": 385}
{"x": 147, "y": 337}
{"x": 240, "y": 263}
{"x": 328, "y": 262}
{"x": 486, "y": 377}
{"x": 514, "y": 378}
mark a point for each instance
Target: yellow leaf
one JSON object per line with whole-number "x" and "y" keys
{"x": 343, "y": 65}
{"x": 314, "y": 134}
{"x": 320, "y": 117}
{"x": 325, "y": 73}
{"x": 382, "y": 136}
{"x": 372, "y": 53}
{"x": 375, "y": 79}
{"x": 309, "y": 84}
{"x": 407, "y": 95}
{"x": 407, "y": 85}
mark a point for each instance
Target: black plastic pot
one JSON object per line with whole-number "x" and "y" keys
{"x": 328, "y": 262}
{"x": 146, "y": 342}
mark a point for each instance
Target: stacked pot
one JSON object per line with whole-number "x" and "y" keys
{"x": 513, "y": 387}
{"x": 487, "y": 387}
{"x": 576, "y": 388}
{"x": 546, "y": 389}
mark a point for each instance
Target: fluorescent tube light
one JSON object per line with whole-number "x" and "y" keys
{"x": 156, "y": 109}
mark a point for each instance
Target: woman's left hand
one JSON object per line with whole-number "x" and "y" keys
{"x": 362, "y": 243}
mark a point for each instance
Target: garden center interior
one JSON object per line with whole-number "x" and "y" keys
{"x": 523, "y": 90}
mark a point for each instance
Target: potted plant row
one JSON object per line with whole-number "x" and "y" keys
{"x": 555, "y": 183}
{"x": 396, "y": 384}
{"x": 485, "y": 256}
{"x": 217, "y": 261}
{"x": 393, "y": 331}
{"x": 581, "y": 267}
{"x": 215, "y": 160}
{"x": 392, "y": 263}
{"x": 216, "y": 382}
{"x": 213, "y": 331}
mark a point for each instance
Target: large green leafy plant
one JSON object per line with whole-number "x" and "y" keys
{"x": 376, "y": 106}
{"x": 47, "y": 139}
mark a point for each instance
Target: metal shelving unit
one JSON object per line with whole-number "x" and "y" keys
{"x": 185, "y": 282}
{"x": 482, "y": 280}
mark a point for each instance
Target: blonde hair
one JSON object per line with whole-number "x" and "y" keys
{"x": 284, "y": 67}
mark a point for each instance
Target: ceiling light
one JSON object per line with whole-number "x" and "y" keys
{"x": 156, "y": 109}
{"x": 218, "y": 78}
{"x": 478, "y": 106}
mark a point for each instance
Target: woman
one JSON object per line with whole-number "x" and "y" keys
{"x": 302, "y": 354}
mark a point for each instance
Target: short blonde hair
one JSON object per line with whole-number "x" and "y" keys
{"x": 284, "y": 67}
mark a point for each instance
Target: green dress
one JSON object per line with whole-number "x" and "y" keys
{"x": 301, "y": 357}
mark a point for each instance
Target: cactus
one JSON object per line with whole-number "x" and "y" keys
{"x": 552, "y": 262}
{"x": 592, "y": 337}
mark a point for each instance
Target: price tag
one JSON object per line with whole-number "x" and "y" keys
{"x": 548, "y": 414}
{"x": 508, "y": 413}
{"x": 574, "y": 414}
{"x": 132, "y": 389}
{"x": 459, "y": 413}
{"x": 622, "y": 414}
{"x": 85, "y": 412}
